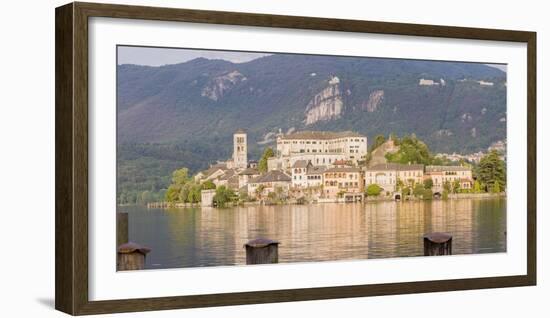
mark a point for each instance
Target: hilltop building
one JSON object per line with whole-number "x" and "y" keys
{"x": 318, "y": 147}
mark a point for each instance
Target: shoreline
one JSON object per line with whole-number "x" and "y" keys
{"x": 457, "y": 196}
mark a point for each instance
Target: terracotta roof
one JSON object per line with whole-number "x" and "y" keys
{"x": 228, "y": 174}
{"x": 249, "y": 172}
{"x": 272, "y": 176}
{"x": 316, "y": 170}
{"x": 341, "y": 163}
{"x": 395, "y": 166}
{"x": 324, "y": 135}
{"x": 300, "y": 164}
{"x": 213, "y": 170}
{"x": 446, "y": 168}
{"x": 343, "y": 169}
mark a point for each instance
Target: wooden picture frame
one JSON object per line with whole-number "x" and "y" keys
{"x": 71, "y": 221}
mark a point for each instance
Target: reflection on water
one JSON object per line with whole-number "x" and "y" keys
{"x": 194, "y": 237}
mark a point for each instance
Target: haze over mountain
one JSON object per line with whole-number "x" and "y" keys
{"x": 185, "y": 114}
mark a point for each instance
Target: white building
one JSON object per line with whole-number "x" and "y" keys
{"x": 314, "y": 176}
{"x": 318, "y": 147}
{"x": 427, "y": 82}
{"x": 299, "y": 173}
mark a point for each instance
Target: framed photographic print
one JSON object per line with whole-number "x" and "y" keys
{"x": 211, "y": 158}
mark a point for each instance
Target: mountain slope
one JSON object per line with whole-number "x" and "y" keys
{"x": 197, "y": 105}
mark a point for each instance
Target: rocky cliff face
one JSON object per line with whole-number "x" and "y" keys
{"x": 217, "y": 86}
{"x": 375, "y": 98}
{"x": 326, "y": 105}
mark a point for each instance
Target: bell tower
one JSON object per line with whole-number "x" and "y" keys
{"x": 240, "y": 159}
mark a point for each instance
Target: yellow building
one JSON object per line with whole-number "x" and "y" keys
{"x": 387, "y": 175}
{"x": 341, "y": 181}
{"x": 451, "y": 174}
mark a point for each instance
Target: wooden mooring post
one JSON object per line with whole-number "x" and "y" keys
{"x": 131, "y": 256}
{"x": 437, "y": 243}
{"x": 121, "y": 228}
{"x": 262, "y": 251}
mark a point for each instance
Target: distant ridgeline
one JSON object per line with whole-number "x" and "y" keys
{"x": 184, "y": 115}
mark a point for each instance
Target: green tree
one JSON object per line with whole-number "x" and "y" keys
{"x": 184, "y": 192}
{"x": 447, "y": 186}
{"x": 492, "y": 169}
{"x": 194, "y": 195}
{"x": 172, "y": 194}
{"x": 411, "y": 150}
{"x": 373, "y": 190}
{"x": 427, "y": 194}
{"x": 378, "y": 141}
{"x": 180, "y": 176}
{"x": 418, "y": 190}
{"x": 399, "y": 184}
{"x": 456, "y": 186}
{"x": 208, "y": 185}
{"x": 477, "y": 187}
{"x": 496, "y": 187}
{"x": 146, "y": 197}
{"x": 223, "y": 196}
{"x": 262, "y": 164}
{"x": 428, "y": 183}
{"x": 178, "y": 190}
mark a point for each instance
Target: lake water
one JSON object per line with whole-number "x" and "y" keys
{"x": 194, "y": 237}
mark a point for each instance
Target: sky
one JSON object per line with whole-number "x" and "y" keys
{"x": 153, "y": 56}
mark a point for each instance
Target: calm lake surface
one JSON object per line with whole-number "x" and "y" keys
{"x": 194, "y": 237}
